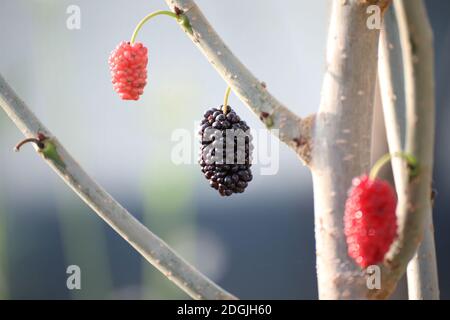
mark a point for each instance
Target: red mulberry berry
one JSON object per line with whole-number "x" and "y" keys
{"x": 370, "y": 220}
{"x": 128, "y": 65}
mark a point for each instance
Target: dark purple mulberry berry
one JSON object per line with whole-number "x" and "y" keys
{"x": 226, "y": 148}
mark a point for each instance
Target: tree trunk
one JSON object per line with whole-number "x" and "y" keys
{"x": 341, "y": 143}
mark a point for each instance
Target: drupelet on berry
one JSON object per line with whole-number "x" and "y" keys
{"x": 370, "y": 221}
{"x": 128, "y": 65}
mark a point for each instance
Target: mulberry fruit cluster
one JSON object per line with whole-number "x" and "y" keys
{"x": 370, "y": 220}
{"x": 128, "y": 65}
{"x": 226, "y": 148}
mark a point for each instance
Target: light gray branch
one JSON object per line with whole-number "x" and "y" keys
{"x": 294, "y": 131}
{"x": 414, "y": 205}
{"x": 153, "y": 249}
{"x": 390, "y": 71}
{"x": 422, "y": 269}
{"x": 379, "y": 149}
{"x": 341, "y": 141}
{"x": 423, "y": 283}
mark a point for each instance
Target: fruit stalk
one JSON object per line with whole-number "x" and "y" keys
{"x": 410, "y": 160}
{"x": 149, "y": 17}
{"x": 225, "y": 100}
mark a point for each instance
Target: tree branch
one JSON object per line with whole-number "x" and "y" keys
{"x": 293, "y": 131}
{"x": 414, "y": 205}
{"x": 423, "y": 283}
{"x": 390, "y": 71}
{"x": 153, "y": 249}
{"x": 342, "y": 140}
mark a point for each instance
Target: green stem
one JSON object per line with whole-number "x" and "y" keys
{"x": 150, "y": 16}
{"x": 410, "y": 159}
{"x": 225, "y": 100}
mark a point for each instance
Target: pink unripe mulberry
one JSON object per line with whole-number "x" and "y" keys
{"x": 370, "y": 220}
{"x": 128, "y": 65}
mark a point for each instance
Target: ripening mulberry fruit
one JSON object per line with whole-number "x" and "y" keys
{"x": 226, "y": 148}
{"x": 128, "y": 65}
{"x": 370, "y": 220}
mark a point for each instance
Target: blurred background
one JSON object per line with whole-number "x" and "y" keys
{"x": 259, "y": 244}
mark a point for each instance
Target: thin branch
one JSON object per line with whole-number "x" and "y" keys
{"x": 342, "y": 142}
{"x": 386, "y": 173}
{"x": 414, "y": 206}
{"x": 390, "y": 71}
{"x": 422, "y": 269}
{"x": 423, "y": 283}
{"x": 294, "y": 131}
{"x": 153, "y": 249}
